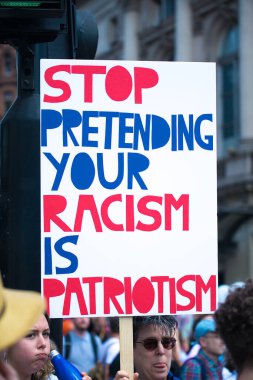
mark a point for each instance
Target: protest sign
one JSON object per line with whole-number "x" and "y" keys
{"x": 128, "y": 187}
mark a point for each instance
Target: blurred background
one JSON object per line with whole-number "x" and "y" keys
{"x": 218, "y": 31}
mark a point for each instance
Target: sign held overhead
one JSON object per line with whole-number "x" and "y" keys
{"x": 128, "y": 187}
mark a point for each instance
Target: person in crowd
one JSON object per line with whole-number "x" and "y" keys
{"x": 100, "y": 327}
{"x": 178, "y": 354}
{"x": 80, "y": 347}
{"x": 153, "y": 341}
{"x": 185, "y": 326}
{"x": 18, "y": 311}
{"x": 206, "y": 364}
{"x": 110, "y": 348}
{"x": 194, "y": 345}
{"x": 30, "y": 355}
{"x": 234, "y": 319}
{"x": 24, "y": 336}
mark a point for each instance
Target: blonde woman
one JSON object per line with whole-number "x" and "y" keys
{"x": 29, "y": 356}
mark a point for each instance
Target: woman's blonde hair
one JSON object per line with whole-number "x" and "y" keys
{"x": 45, "y": 372}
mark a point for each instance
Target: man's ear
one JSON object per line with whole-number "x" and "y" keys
{"x": 202, "y": 341}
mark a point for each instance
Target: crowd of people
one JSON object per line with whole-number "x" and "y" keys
{"x": 212, "y": 347}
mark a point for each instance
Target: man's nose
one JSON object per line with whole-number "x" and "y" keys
{"x": 159, "y": 348}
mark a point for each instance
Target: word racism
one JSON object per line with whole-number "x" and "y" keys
{"x": 56, "y": 204}
{"x": 125, "y": 296}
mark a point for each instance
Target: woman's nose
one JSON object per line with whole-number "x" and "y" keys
{"x": 41, "y": 341}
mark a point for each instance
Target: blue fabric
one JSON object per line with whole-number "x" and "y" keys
{"x": 203, "y": 327}
{"x": 172, "y": 377}
{"x": 82, "y": 354}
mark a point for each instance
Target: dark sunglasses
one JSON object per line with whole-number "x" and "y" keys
{"x": 150, "y": 344}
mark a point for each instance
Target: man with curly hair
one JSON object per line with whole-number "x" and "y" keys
{"x": 234, "y": 320}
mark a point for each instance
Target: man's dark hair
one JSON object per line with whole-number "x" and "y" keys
{"x": 166, "y": 322}
{"x": 234, "y": 320}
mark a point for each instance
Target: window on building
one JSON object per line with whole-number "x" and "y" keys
{"x": 167, "y": 9}
{"x": 7, "y": 64}
{"x": 113, "y": 30}
{"x": 8, "y": 100}
{"x": 229, "y": 92}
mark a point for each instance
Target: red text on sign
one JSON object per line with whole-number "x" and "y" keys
{"x": 118, "y": 82}
{"x": 124, "y": 296}
{"x": 54, "y": 205}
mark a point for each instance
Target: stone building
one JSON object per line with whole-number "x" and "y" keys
{"x": 201, "y": 30}
{"x": 191, "y": 30}
{"x": 8, "y": 78}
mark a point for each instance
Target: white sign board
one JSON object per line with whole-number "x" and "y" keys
{"x": 128, "y": 187}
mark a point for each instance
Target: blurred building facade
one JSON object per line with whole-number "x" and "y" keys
{"x": 218, "y": 31}
{"x": 8, "y": 78}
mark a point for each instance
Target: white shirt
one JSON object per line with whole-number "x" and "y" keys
{"x": 110, "y": 348}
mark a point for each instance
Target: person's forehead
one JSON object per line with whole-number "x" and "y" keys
{"x": 40, "y": 324}
{"x": 149, "y": 331}
{"x": 81, "y": 320}
{"x": 212, "y": 333}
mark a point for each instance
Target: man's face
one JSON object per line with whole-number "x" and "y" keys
{"x": 81, "y": 324}
{"x": 212, "y": 344}
{"x": 155, "y": 364}
{"x": 99, "y": 325}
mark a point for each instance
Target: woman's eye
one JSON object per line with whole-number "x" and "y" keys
{"x": 30, "y": 335}
{"x": 46, "y": 334}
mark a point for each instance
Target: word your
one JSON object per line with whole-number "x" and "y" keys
{"x": 124, "y": 296}
{"x": 84, "y": 169}
{"x": 56, "y": 204}
{"x": 118, "y": 82}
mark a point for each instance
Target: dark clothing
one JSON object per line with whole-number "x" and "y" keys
{"x": 201, "y": 367}
{"x": 114, "y": 366}
{"x": 172, "y": 377}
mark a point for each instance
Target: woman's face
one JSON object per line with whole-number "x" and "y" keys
{"x": 155, "y": 364}
{"x": 31, "y": 353}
